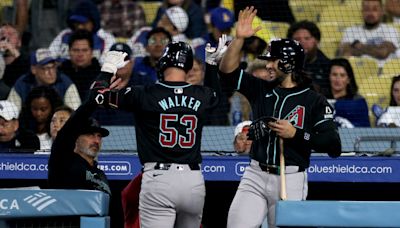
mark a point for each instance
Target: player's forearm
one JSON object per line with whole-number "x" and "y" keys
{"x": 231, "y": 59}
{"x": 325, "y": 139}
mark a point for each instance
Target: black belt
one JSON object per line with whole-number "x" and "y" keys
{"x": 270, "y": 168}
{"x": 166, "y": 166}
{"x": 273, "y": 169}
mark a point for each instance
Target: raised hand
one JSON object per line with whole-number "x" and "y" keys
{"x": 214, "y": 55}
{"x": 244, "y": 28}
{"x": 113, "y": 61}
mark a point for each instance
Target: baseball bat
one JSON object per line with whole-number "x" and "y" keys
{"x": 282, "y": 171}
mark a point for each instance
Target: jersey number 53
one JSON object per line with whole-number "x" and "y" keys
{"x": 170, "y": 136}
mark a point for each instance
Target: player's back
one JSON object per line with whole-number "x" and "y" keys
{"x": 170, "y": 117}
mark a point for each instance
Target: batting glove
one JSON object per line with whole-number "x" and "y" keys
{"x": 214, "y": 55}
{"x": 113, "y": 61}
{"x": 259, "y": 128}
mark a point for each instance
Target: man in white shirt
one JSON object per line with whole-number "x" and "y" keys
{"x": 374, "y": 39}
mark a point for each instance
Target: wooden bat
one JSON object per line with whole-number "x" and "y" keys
{"x": 283, "y": 193}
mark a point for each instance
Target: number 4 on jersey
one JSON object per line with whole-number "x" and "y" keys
{"x": 169, "y": 135}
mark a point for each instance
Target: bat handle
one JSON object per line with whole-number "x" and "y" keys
{"x": 283, "y": 193}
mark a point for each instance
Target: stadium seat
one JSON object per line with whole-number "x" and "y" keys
{"x": 228, "y": 4}
{"x": 331, "y": 35}
{"x": 342, "y": 14}
{"x": 307, "y": 9}
{"x": 363, "y": 68}
{"x": 376, "y": 90}
{"x": 279, "y": 29}
{"x": 150, "y": 9}
{"x": 391, "y": 67}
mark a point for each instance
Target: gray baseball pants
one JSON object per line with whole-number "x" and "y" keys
{"x": 258, "y": 193}
{"x": 172, "y": 198}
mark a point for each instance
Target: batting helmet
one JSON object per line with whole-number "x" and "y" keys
{"x": 289, "y": 52}
{"x": 176, "y": 54}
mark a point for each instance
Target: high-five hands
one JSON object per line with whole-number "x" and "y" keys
{"x": 244, "y": 27}
{"x": 214, "y": 55}
{"x": 113, "y": 61}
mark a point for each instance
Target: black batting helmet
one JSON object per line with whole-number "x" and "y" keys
{"x": 289, "y": 52}
{"x": 176, "y": 54}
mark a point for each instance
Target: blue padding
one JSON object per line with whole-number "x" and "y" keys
{"x": 18, "y": 203}
{"x": 97, "y": 222}
{"x": 338, "y": 213}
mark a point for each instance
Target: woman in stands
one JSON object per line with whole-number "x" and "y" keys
{"x": 351, "y": 108}
{"x": 37, "y": 112}
{"x": 391, "y": 117}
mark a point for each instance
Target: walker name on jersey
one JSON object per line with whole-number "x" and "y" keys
{"x": 179, "y": 101}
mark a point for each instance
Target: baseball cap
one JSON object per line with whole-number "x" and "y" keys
{"x": 92, "y": 126}
{"x": 178, "y": 17}
{"x": 8, "y": 110}
{"x": 78, "y": 18}
{"x": 42, "y": 56}
{"x": 222, "y": 18}
{"x": 122, "y": 47}
{"x": 241, "y": 127}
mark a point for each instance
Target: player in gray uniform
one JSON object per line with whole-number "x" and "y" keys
{"x": 170, "y": 117}
{"x": 301, "y": 117}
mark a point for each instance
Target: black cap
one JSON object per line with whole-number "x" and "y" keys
{"x": 92, "y": 126}
{"x": 122, "y": 47}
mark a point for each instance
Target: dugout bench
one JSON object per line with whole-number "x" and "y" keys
{"x": 89, "y": 208}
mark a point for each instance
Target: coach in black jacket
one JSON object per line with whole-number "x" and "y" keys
{"x": 72, "y": 163}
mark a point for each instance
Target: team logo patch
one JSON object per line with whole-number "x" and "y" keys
{"x": 328, "y": 112}
{"x": 178, "y": 91}
{"x": 296, "y": 116}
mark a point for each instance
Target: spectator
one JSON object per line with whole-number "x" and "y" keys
{"x": 195, "y": 76}
{"x": 14, "y": 138}
{"x": 316, "y": 62}
{"x": 17, "y": 62}
{"x": 259, "y": 70}
{"x": 241, "y": 143}
{"x": 82, "y": 67}
{"x": 196, "y": 27}
{"x": 72, "y": 163}
{"x": 392, "y": 8}
{"x": 4, "y": 89}
{"x": 34, "y": 17}
{"x": 44, "y": 73}
{"x": 60, "y": 116}
{"x": 85, "y": 16}
{"x": 221, "y": 22}
{"x": 122, "y": 18}
{"x": 373, "y": 39}
{"x": 391, "y": 117}
{"x": 351, "y": 109}
{"x": 175, "y": 21}
{"x": 37, "y": 113}
{"x": 144, "y": 70}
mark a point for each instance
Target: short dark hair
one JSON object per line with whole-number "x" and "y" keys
{"x": 81, "y": 35}
{"x": 307, "y": 25}
{"x": 158, "y": 30}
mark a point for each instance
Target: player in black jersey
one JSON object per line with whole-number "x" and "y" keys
{"x": 169, "y": 121}
{"x": 286, "y": 108}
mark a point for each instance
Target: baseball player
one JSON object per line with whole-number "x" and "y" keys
{"x": 170, "y": 116}
{"x": 285, "y": 108}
